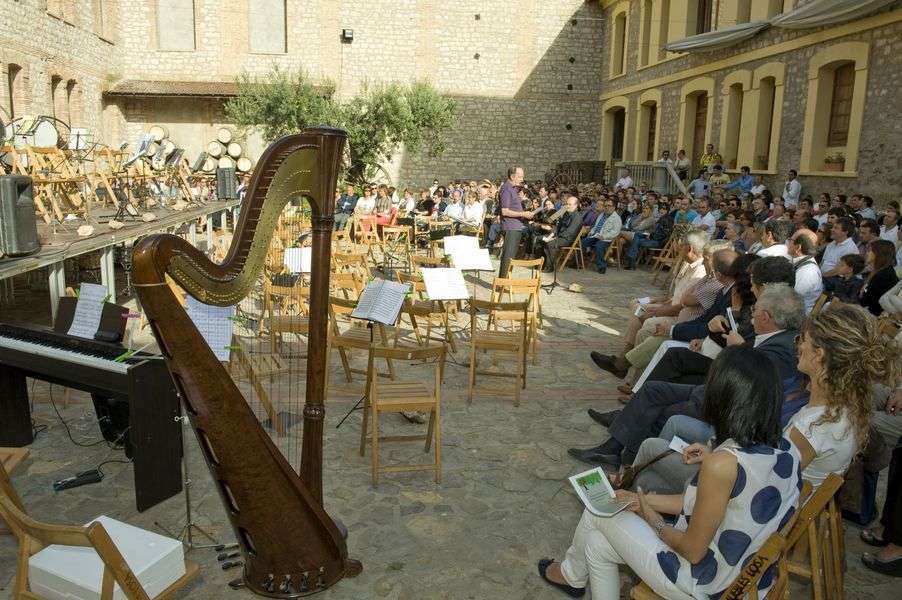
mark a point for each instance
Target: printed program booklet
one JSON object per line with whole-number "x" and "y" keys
{"x": 594, "y": 489}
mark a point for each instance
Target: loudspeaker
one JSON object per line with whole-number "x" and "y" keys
{"x": 226, "y": 184}
{"x": 18, "y": 225}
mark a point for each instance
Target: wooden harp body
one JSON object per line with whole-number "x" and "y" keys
{"x": 277, "y": 514}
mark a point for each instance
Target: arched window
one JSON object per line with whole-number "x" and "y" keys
{"x": 695, "y": 117}
{"x": 615, "y": 130}
{"x": 619, "y": 36}
{"x": 648, "y": 125}
{"x": 645, "y": 32}
{"x": 663, "y": 20}
{"x": 73, "y": 103}
{"x": 837, "y": 84}
{"x": 58, "y": 98}
{"x": 15, "y": 85}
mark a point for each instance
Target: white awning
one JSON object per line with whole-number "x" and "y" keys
{"x": 818, "y": 13}
{"x": 720, "y": 38}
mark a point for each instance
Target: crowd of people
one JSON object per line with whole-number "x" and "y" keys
{"x": 766, "y": 357}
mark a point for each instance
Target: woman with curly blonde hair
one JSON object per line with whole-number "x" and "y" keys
{"x": 843, "y": 353}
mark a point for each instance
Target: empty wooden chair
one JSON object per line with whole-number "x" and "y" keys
{"x": 404, "y": 397}
{"x": 349, "y": 285}
{"x": 293, "y": 319}
{"x": 418, "y": 308}
{"x": 534, "y": 265}
{"x": 507, "y": 342}
{"x": 354, "y": 337}
{"x": 513, "y": 290}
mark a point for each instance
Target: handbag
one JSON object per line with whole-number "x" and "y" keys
{"x": 628, "y": 474}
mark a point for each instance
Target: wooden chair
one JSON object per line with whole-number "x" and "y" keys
{"x": 819, "y": 305}
{"x": 34, "y": 536}
{"x": 614, "y": 252}
{"x": 433, "y": 312}
{"x": 10, "y": 459}
{"x": 402, "y": 397}
{"x": 526, "y": 290}
{"x": 573, "y": 249}
{"x": 510, "y": 342}
{"x": 418, "y": 261}
{"x": 815, "y": 543}
{"x": 353, "y": 262}
{"x": 347, "y": 284}
{"x": 296, "y": 322}
{"x": 535, "y": 272}
{"x": 772, "y": 552}
{"x": 354, "y": 337}
{"x": 397, "y": 245}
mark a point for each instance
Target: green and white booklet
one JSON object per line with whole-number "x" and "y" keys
{"x": 594, "y": 489}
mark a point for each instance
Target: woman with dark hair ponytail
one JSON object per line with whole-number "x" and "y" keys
{"x": 747, "y": 488}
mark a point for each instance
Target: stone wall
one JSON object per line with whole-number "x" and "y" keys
{"x": 513, "y": 101}
{"x": 878, "y": 173}
{"x": 47, "y": 46}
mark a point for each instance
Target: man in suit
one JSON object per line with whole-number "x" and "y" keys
{"x": 779, "y": 314}
{"x": 688, "y": 365}
{"x": 565, "y": 230}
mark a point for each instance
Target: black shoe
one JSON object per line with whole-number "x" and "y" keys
{"x": 570, "y": 591}
{"x": 594, "y": 457}
{"x": 602, "y": 270}
{"x": 604, "y": 419}
{"x": 608, "y": 363}
{"x": 870, "y": 538}
{"x": 893, "y": 567}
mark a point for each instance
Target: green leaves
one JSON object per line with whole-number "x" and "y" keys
{"x": 378, "y": 120}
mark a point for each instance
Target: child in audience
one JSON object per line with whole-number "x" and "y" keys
{"x": 849, "y": 283}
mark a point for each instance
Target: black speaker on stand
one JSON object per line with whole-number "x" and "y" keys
{"x": 18, "y": 225}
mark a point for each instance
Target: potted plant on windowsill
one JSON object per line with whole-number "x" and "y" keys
{"x": 835, "y": 162}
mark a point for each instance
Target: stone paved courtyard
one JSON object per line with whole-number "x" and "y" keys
{"x": 503, "y": 502}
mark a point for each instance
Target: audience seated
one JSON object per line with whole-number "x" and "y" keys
{"x": 699, "y": 557}
{"x": 802, "y": 246}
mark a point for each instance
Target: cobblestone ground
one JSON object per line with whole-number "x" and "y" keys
{"x": 503, "y": 502}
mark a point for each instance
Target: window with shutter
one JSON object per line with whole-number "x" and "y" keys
{"x": 841, "y": 105}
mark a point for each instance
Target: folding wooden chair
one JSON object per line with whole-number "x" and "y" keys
{"x": 772, "y": 552}
{"x": 403, "y": 397}
{"x": 354, "y": 337}
{"x": 815, "y": 544}
{"x": 534, "y": 265}
{"x": 508, "y": 342}
{"x": 614, "y": 253}
{"x": 34, "y": 536}
{"x": 574, "y": 249}
{"x": 433, "y": 312}
{"x": 819, "y": 305}
{"x": 525, "y": 290}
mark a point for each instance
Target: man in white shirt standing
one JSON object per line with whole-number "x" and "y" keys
{"x": 625, "y": 182}
{"x": 842, "y": 244}
{"x": 792, "y": 190}
{"x": 705, "y": 219}
{"x": 809, "y": 283}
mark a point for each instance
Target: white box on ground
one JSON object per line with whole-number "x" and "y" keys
{"x": 75, "y": 573}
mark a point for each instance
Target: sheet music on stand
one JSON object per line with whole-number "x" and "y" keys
{"x": 88, "y": 310}
{"x": 381, "y": 301}
{"x": 215, "y": 324}
{"x": 298, "y": 260}
{"x": 466, "y": 254}
{"x": 443, "y": 283}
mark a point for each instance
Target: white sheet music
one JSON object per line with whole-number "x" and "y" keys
{"x": 445, "y": 284}
{"x": 659, "y": 354}
{"x": 298, "y": 260}
{"x": 214, "y": 324}
{"x": 466, "y": 254}
{"x": 381, "y": 301}
{"x": 88, "y": 310}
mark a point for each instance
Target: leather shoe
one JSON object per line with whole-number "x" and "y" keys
{"x": 592, "y": 456}
{"x": 604, "y": 419}
{"x": 570, "y": 591}
{"x": 608, "y": 363}
{"x": 602, "y": 270}
{"x": 893, "y": 567}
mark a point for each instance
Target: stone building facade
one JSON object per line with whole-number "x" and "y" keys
{"x": 784, "y": 99}
{"x": 524, "y": 73}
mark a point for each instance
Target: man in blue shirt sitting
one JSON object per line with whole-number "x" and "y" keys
{"x": 743, "y": 183}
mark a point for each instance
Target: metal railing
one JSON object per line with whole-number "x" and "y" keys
{"x": 660, "y": 177}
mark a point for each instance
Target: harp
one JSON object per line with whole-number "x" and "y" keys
{"x": 291, "y": 546}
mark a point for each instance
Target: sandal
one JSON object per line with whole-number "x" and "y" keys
{"x": 625, "y": 388}
{"x": 570, "y": 591}
{"x": 872, "y": 539}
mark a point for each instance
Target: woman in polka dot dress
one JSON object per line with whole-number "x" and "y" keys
{"x": 746, "y": 489}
